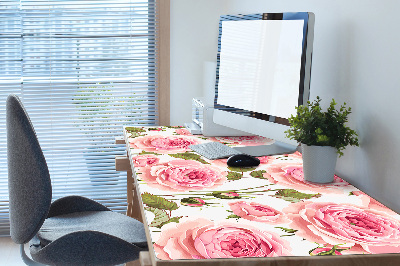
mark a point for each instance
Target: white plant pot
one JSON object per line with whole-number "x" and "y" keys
{"x": 319, "y": 163}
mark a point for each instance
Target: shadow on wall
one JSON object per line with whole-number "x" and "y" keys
{"x": 370, "y": 167}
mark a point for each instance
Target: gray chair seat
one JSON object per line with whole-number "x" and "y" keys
{"x": 107, "y": 222}
{"x": 72, "y": 230}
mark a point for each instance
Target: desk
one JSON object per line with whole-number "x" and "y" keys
{"x": 201, "y": 212}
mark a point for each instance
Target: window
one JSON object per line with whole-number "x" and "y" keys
{"x": 83, "y": 69}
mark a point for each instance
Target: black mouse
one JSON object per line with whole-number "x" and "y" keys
{"x": 242, "y": 160}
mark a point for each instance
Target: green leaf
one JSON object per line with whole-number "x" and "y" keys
{"x": 330, "y": 252}
{"x": 174, "y": 219}
{"x": 148, "y": 152}
{"x": 189, "y": 156}
{"x": 287, "y": 230}
{"x": 173, "y": 126}
{"x": 224, "y": 194}
{"x": 135, "y": 129}
{"x": 158, "y": 202}
{"x": 233, "y": 216}
{"x": 293, "y": 195}
{"x": 160, "y": 218}
{"x": 234, "y": 176}
{"x": 241, "y": 169}
{"x": 258, "y": 174}
{"x": 155, "y": 129}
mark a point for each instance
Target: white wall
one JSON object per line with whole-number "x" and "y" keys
{"x": 356, "y": 60}
{"x": 194, "y": 41}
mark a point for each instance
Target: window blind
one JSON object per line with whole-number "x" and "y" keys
{"x": 83, "y": 69}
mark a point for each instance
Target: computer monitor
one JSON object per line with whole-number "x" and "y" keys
{"x": 263, "y": 73}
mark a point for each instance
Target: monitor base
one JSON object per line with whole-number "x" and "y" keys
{"x": 276, "y": 148}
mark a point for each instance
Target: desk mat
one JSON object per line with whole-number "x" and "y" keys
{"x": 201, "y": 209}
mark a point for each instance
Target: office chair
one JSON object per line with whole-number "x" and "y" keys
{"x": 70, "y": 231}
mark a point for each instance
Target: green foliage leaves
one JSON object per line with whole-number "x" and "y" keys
{"x": 258, "y": 174}
{"x": 241, "y": 169}
{"x": 293, "y": 195}
{"x": 233, "y": 216}
{"x": 161, "y": 217}
{"x": 158, "y": 205}
{"x": 234, "y": 176}
{"x": 312, "y": 126}
{"x": 158, "y": 202}
{"x": 189, "y": 156}
{"x": 135, "y": 131}
{"x": 287, "y": 230}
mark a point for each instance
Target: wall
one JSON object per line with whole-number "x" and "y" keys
{"x": 355, "y": 60}
{"x": 194, "y": 41}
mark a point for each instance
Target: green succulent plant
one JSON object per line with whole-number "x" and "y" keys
{"x": 312, "y": 126}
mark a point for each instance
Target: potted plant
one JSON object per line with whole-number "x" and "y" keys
{"x": 323, "y": 135}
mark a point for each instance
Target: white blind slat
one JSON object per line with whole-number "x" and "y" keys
{"x": 83, "y": 69}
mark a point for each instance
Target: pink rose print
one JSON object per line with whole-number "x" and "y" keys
{"x": 295, "y": 155}
{"x": 244, "y": 140}
{"x": 265, "y": 159}
{"x": 291, "y": 176}
{"x": 220, "y": 162}
{"x": 183, "y": 175}
{"x": 163, "y": 144}
{"x": 193, "y": 202}
{"x": 324, "y": 222}
{"x": 144, "y": 160}
{"x": 203, "y": 239}
{"x": 257, "y": 212}
{"x": 183, "y": 131}
{"x": 372, "y": 203}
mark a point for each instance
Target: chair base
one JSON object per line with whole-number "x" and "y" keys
{"x": 26, "y": 259}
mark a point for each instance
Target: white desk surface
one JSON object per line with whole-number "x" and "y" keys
{"x": 202, "y": 212}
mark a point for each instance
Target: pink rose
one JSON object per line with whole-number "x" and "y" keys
{"x": 295, "y": 155}
{"x": 144, "y": 160}
{"x": 203, "y": 239}
{"x": 292, "y": 176}
{"x": 324, "y": 222}
{"x": 220, "y": 162}
{"x": 182, "y": 131}
{"x": 183, "y": 175}
{"x": 265, "y": 159}
{"x": 244, "y": 140}
{"x": 163, "y": 144}
{"x": 257, "y": 212}
{"x": 372, "y": 203}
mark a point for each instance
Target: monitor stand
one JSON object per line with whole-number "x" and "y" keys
{"x": 276, "y": 148}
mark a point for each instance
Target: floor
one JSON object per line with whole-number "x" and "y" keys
{"x": 9, "y": 253}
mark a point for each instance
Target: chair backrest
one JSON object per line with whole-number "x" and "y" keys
{"x": 29, "y": 183}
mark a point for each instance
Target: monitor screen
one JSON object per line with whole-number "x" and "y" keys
{"x": 263, "y": 71}
{"x": 260, "y": 63}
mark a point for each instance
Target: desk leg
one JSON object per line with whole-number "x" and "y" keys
{"x": 144, "y": 260}
{"x": 132, "y": 197}
{"x": 130, "y": 191}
